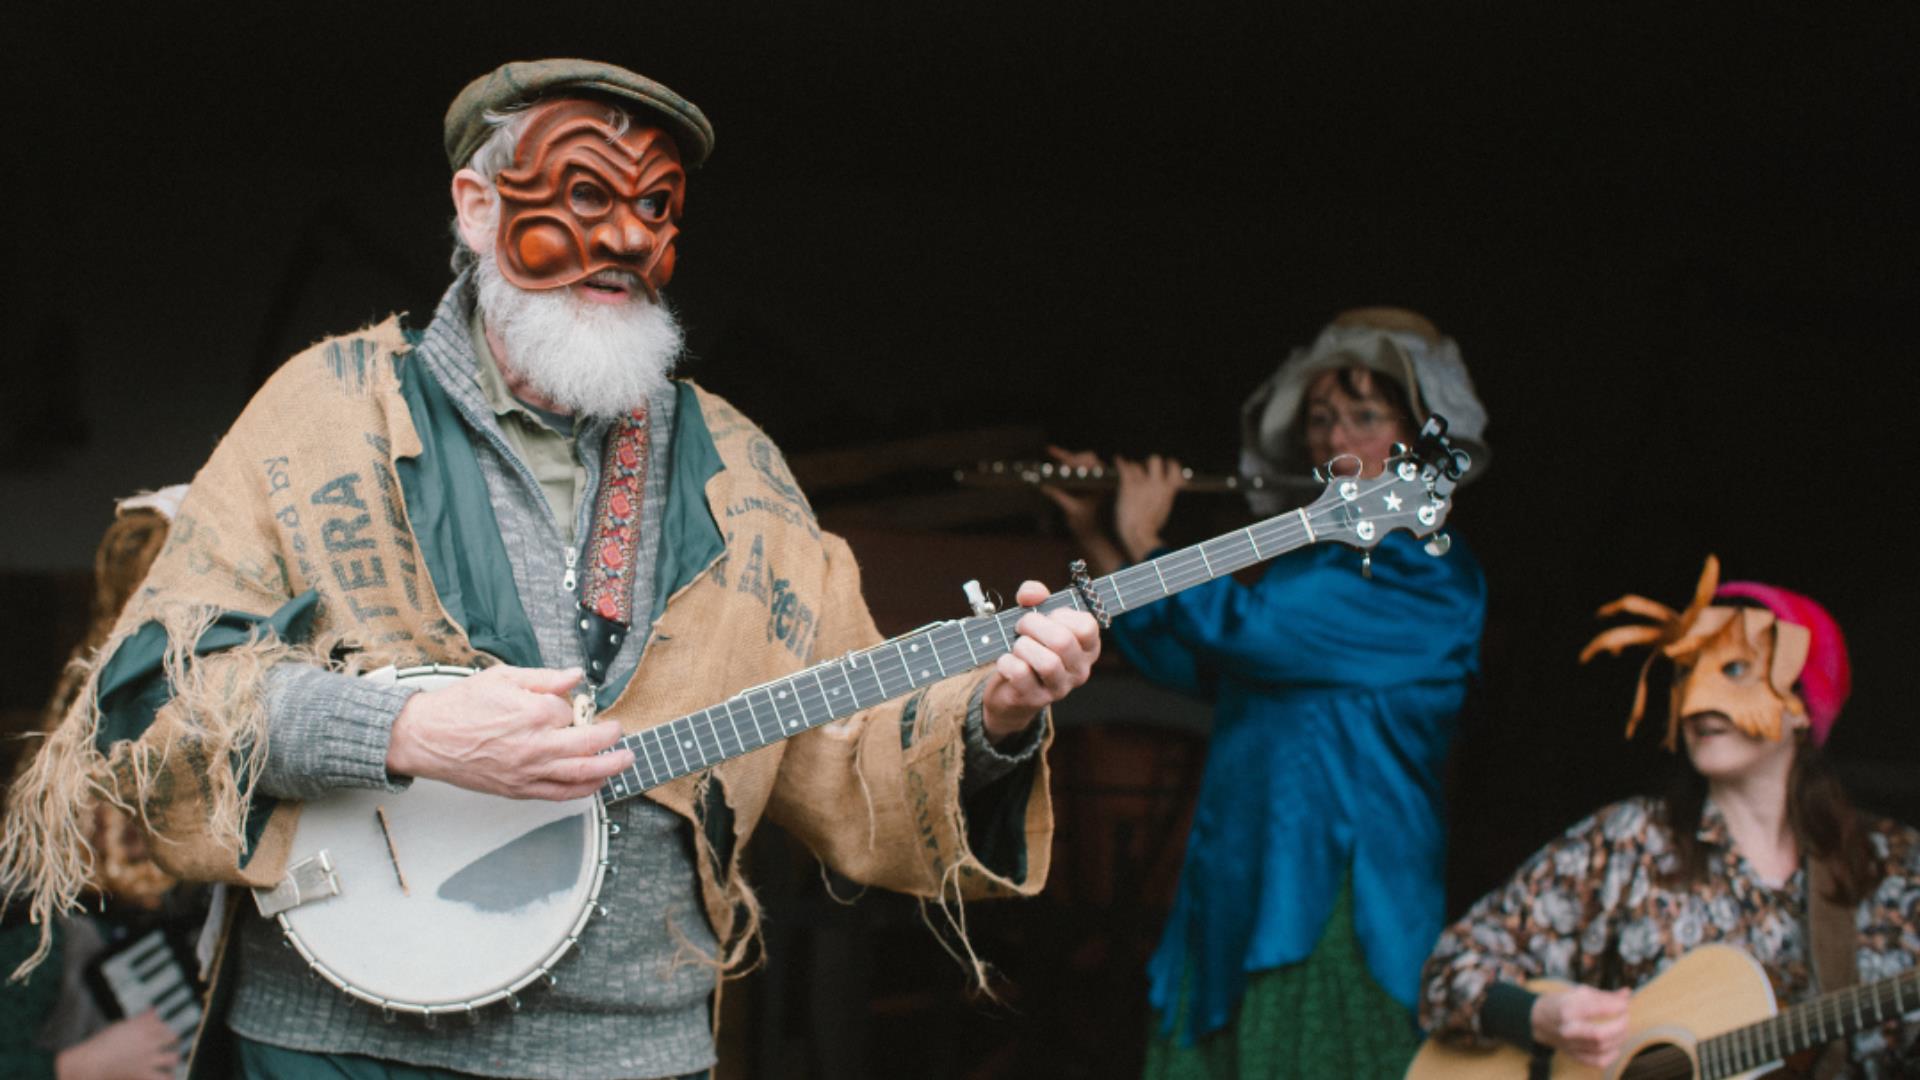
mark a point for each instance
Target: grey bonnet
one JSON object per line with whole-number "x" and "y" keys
{"x": 1429, "y": 370}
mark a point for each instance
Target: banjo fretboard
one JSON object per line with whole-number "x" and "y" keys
{"x": 825, "y": 692}
{"x": 1412, "y": 493}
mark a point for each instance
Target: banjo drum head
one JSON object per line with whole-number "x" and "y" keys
{"x": 449, "y": 899}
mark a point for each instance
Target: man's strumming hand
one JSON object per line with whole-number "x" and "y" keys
{"x": 505, "y": 731}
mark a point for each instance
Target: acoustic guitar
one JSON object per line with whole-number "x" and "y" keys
{"x": 436, "y": 901}
{"x": 1710, "y": 1015}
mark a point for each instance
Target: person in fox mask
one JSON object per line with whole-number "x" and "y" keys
{"x": 1754, "y": 845}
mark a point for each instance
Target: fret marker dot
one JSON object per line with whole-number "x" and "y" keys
{"x": 836, "y": 691}
{"x": 782, "y": 693}
{"x": 983, "y": 639}
{"x": 688, "y": 743}
{"x": 916, "y": 647}
{"x": 924, "y": 673}
{"x": 793, "y": 723}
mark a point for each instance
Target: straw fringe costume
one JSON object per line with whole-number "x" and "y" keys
{"x": 342, "y": 523}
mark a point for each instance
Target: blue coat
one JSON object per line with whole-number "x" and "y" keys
{"x": 1336, "y": 698}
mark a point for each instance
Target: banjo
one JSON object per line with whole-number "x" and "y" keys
{"x": 386, "y": 893}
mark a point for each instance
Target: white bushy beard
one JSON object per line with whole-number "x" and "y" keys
{"x": 589, "y": 358}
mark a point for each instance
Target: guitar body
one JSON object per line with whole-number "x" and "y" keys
{"x": 495, "y": 890}
{"x": 1713, "y": 989}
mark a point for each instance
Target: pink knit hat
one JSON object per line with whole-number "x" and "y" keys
{"x": 1827, "y": 679}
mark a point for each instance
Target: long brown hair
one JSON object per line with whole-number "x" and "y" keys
{"x": 1824, "y": 822}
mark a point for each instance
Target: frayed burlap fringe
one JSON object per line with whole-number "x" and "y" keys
{"x": 217, "y": 711}
{"x": 854, "y": 727}
{"x": 950, "y": 902}
{"x": 949, "y": 895}
{"x": 45, "y": 852}
{"x": 826, "y": 886}
{"x": 953, "y": 910}
{"x": 746, "y": 936}
{"x": 950, "y": 899}
{"x": 743, "y": 937}
{"x": 851, "y": 728}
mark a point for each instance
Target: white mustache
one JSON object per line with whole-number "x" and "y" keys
{"x": 626, "y": 279}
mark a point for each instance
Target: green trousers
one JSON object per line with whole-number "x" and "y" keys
{"x": 1322, "y": 1017}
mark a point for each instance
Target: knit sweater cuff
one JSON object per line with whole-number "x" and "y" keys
{"x": 987, "y": 762}
{"x": 326, "y": 730}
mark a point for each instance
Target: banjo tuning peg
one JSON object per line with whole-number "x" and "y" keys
{"x": 977, "y": 599}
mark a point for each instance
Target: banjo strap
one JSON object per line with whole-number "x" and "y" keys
{"x": 606, "y": 596}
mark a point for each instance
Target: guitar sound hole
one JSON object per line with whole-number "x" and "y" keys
{"x": 1659, "y": 1061}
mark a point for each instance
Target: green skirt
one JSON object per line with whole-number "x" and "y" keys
{"x": 1322, "y": 1017}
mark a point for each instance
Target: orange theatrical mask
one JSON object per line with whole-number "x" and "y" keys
{"x": 1741, "y": 662}
{"x": 582, "y": 196}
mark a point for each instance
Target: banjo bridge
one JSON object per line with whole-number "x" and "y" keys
{"x": 386, "y": 832}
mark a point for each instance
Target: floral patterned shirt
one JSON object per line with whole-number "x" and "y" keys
{"x": 1592, "y": 907}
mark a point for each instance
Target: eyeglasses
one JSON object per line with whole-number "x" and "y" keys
{"x": 1361, "y": 423}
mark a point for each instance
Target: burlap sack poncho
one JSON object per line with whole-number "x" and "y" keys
{"x": 337, "y": 523}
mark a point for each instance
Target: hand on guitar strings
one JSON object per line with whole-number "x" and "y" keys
{"x": 1053, "y": 655}
{"x": 506, "y": 731}
{"x": 1141, "y": 506}
{"x": 1588, "y": 1025}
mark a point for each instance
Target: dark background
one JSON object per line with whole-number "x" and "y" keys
{"x": 1673, "y": 241}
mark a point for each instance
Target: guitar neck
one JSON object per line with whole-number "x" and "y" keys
{"x": 825, "y": 692}
{"x": 1838, "y": 1015}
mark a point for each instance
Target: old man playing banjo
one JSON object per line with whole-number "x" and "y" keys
{"x": 574, "y": 579}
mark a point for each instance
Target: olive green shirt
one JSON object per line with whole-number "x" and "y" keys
{"x": 548, "y": 451}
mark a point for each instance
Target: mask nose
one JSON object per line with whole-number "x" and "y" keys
{"x": 623, "y": 236}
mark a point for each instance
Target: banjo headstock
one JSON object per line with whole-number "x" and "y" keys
{"x": 1413, "y": 492}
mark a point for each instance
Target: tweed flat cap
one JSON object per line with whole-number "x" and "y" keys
{"x": 523, "y": 81}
